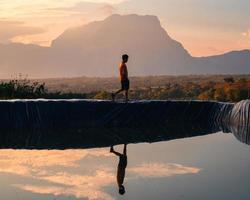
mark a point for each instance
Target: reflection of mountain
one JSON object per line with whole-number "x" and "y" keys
{"x": 95, "y": 50}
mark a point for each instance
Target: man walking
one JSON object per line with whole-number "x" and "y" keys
{"x": 124, "y": 78}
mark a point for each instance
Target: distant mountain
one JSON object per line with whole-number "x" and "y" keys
{"x": 95, "y": 50}
{"x": 235, "y": 62}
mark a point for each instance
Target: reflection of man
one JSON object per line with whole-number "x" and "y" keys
{"x": 121, "y": 167}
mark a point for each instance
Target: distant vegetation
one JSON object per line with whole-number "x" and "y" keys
{"x": 227, "y": 91}
{"x": 219, "y": 88}
{"x": 22, "y": 88}
{"x": 230, "y": 90}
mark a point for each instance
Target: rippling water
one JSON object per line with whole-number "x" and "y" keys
{"x": 214, "y": 166}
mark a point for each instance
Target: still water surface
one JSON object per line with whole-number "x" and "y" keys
{"x": 210, "y": 167}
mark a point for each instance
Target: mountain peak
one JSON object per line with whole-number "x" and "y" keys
{"x": 133, "y": 17}
{"x": 115, "y": 27}
{"x": 95, "y": 49}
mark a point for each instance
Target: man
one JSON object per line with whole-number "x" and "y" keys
{"x": 121, "y": 169}
{"x": 124, "y": 78}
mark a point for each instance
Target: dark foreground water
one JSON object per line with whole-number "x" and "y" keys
{"x": 214, "y": 166}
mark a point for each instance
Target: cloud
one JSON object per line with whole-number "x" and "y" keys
{"x": 26, "y": 163}
{"x": 86, "y": 7}
{"x": 10, "y": 29}
{"x": 47, "y": 165}
{"x": 56, "y": 191}
{"x": 162, "y": 170}
{"x": 88, "y": 10}
{"x": 79, "y": 186}
{"x": 82, "y": 186}
{"x": 54, "y": 19}
{"x": 247, "y": 33}
{"x": 62, "y": 172}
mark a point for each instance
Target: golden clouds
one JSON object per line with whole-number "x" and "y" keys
{"x": 24, "y": 162}
{"x": 47, "y": 166}
{"x": 162, "y": 170}
{"x": 78, "y": 173}
{"x": 10, "y": 29}
{"x": 39, "y": 22}
{"x": 79, "y": 186}
{"x": 247, "y": 33}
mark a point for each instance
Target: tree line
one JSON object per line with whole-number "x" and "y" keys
{"x": 228, "y": 90}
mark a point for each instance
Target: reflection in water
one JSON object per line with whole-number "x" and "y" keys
{"x": 83, "y": 173}
{"x": 61, "y": 172}
{"x": 106, "y": 137}
{"x": 121, "y": 168}
{"x": 52, "y": 172}
{"x": 153, "y": 170}
{"x": 242, "y": 133}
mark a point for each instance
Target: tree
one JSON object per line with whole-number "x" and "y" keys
{"x": 229, "y": 80}
{"x": 220, "y": 94}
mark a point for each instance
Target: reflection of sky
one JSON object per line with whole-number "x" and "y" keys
{"x": 176, "y": 169}
{"x": 53, "y": 167}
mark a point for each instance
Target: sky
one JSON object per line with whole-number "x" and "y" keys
{"x": 204, "y": 27}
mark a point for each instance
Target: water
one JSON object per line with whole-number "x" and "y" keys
{"x": 198, "y": 150}
{"x": 214, "y": 166}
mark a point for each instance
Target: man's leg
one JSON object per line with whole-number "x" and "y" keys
{"x": 126, "y": 87}
{"x": 114, "y": 94}
{"x": 119, "y": 91}
{"x": 126, "y": 96}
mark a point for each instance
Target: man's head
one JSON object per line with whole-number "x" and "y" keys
{"x": 121, "y": 190}
{"x": 125, "y": 58}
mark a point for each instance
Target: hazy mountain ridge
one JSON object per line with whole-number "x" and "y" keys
{"x": 233, "y": 62}
{"x": 95, "y": 50}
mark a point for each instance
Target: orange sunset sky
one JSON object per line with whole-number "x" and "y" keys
{"x": 203, "y": 27}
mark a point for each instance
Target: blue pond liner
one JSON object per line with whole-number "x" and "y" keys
{"x": 53, "y": 114}
{"x": 61, "y": 124}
